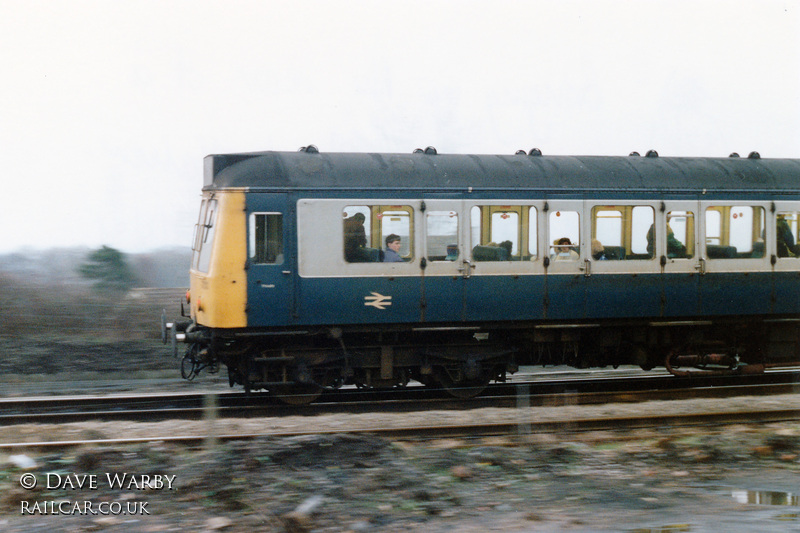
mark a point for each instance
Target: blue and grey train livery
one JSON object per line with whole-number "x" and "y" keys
{"x": 312, "y": 270}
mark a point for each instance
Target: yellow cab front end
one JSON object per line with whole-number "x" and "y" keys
{"x": 218, "y": 282}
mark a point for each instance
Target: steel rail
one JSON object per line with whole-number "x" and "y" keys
{"x": 521, "y": 428}
{"x": 152, "y": 407}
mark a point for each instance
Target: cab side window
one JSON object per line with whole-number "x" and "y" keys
{"x": 204, "y": 235}
{"x": 266, "y": 238}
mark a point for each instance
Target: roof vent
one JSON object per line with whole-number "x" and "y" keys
{"x": 430, "y": 150}
{"x": 535, "y": 152}
{"x": 733, "y": 154}
{"x": 651, "y": 153}
{"x": 754, "y": 155}
{"x": 634, "y": 154}
{"x": 419, "y": 151}
{"x": 520, "y": 152}
{"x": 311, "y": 149}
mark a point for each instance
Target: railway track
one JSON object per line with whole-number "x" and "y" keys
{"x": 553, "y": 392}
{"x": 524, "y": 425}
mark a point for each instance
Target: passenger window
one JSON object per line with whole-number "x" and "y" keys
{"x": 622, "y": 232}
{"x": 441, "y": 228}
{"x": 564, "y": 235}
{"x": 786, "y": 227}
{"x": 680, "y": 234}
{"x": 497, "y": 233}
{"x": 734, "y": 232}
{"x": 369, "y": 229}
{"x": 266, "y": 238}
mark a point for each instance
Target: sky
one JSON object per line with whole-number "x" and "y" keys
{"x": 107, "y": 108}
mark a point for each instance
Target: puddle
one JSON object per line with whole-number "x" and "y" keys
{"x": 765, "y": 497}
{"x": 674, "y": 528}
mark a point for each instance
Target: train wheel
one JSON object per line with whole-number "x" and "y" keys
{"x": 462, "y": 388}
{"x": 296, "y": 393}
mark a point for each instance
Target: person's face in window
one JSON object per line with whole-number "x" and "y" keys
{"x": 395, "y": 246}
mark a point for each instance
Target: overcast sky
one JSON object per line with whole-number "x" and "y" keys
{"x": 107, "y": 108}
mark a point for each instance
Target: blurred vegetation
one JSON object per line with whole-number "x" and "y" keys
{"x": 108, "y": 268}
{"x": 44, "y": 293}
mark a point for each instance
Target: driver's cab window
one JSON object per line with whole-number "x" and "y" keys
{"x": 266, "y": 238}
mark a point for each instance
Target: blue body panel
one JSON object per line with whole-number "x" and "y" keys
{"x": 444, "y": 298}
{"x": 365, "y": 300}
{"x": 680, "y": 295}
{"x": 735, "y": 294}
{"x": 376, "y": 300}
{"x": 512, "y": 297}
{"x": 623, "y": 295}
{"x": 785, "y": 292}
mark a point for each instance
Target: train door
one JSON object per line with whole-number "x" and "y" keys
{"x": 782, "y": 240}
{"x": 678, "y": 251}
{"x": 447, "y": 265}
{"x": 270, "y": 260}
{"x": 565, "y": 247}
{"x": 736, "y": 270}
{"x": 622, "y": 275}
{"x": 505, "y": 280}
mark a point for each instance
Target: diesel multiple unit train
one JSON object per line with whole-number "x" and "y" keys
{"x": 313, "y": 270}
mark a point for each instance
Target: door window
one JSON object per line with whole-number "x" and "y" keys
{"x": 266, "y": 238}
{"x": 441, "y": 228}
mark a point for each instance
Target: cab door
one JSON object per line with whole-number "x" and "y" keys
{"x": 270, "y": 260}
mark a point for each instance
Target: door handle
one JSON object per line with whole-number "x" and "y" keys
{"x": 587, "y": 268}
{"x": 701, "y": 266}
{"x": 466, "y": 268}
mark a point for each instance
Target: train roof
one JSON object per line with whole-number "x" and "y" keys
{"x": 313, "y": 170}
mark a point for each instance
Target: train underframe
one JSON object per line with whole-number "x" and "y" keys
{"x": 297, "y": 366}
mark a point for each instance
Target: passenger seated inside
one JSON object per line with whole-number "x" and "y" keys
{"x": 598, "y": 251}
{"x": 452, "y": 252}
{"x": 392, "y": 252}
{"x": 492, "y": 251}
{"x": 675, "y": 248}
{"x": 355, "y": 239}
{"x": 563, "y": 250}
{"x": 784, "y": 239}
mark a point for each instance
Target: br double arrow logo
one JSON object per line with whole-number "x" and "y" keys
{"x": 378, "y": 301}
